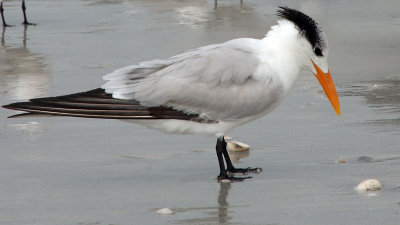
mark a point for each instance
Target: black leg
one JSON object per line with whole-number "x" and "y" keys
{"x": 218, "y": 148}
{"x": 223, "y": 173}
{"x": 229, "y": 165}
{"x": 2, "y": 16}
{"x": 24, "y": 11}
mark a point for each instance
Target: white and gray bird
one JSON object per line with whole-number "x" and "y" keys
{"x": 208, "y": 90}
{"x": 23, "y": 6}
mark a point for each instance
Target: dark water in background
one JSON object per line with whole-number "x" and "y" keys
{"x": 88, "y": 171}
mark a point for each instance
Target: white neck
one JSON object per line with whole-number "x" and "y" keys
{"x": 286, "y": 52}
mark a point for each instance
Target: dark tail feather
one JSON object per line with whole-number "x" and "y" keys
{"x": 96, "y": 104}
{"x": 30, "y": 115}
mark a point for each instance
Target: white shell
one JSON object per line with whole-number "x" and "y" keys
{"x": 237, "y": 146}
{"x": 340, "y": 161}
{"x": 368, "y": 185}
{"x": 164, "y": 211}
{"x": 236, "y": 156}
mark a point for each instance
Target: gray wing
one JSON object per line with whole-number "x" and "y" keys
{"x": 218, "y": 82}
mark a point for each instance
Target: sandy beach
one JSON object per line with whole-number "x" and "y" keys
{"x": 75, "y": 171}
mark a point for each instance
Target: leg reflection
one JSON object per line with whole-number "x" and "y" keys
{"x": 2, "y": 37}
{"x": 223, "y": 204}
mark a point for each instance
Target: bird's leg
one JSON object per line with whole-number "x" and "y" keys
{"x": 24, "y": 11}
{"x": 218, "y": 148}
{"x": 223, "y": 173}
{"x": 2, "y": 15}
{"x": 229, "y": 165}
{"x": 223, "y": 153}
{"x": 232, "y": 169}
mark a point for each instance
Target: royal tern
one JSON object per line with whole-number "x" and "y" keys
{"x": 23, "y": 11}
{"x": 208, "y": 90}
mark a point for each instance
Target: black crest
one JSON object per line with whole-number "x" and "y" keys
{"x": 307, "y": 26}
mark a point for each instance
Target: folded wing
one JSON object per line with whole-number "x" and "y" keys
{"x": 218, "y": 82}
{"x": 97, "y": 104}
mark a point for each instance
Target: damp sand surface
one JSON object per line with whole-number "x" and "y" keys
{"x": 89, "y": 171}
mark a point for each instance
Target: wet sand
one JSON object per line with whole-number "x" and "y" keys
{"x": 88, "y": 171}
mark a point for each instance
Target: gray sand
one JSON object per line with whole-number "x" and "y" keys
{"x": 86, "y": 171}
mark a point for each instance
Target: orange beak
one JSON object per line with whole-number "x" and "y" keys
{"x": 327, "y": 84}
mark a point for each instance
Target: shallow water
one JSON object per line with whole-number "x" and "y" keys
{"x": 88, "y": 171}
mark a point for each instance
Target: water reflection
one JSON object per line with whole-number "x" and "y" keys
{"x": 30, "y": 130}
{"x": 382, "y": 95}
{"x": 241, "y": 16}
{"x": 193, "y": 13}
{"x": 216, "y": 3}
{"x": 23, "y": 74}
{"x": 214, "y": 215}
{"x": 159, "y": 4}
{"x": 223, "y": 204}
{"x": 102, "y": 2}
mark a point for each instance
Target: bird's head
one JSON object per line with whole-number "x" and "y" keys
{"x": 312, "y": 49}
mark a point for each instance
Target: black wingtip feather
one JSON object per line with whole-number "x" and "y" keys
{"x": 98, "y": 104}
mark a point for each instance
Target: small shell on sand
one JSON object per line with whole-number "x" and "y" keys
{"x": 340, "y": 161}
{"x": 237, "y": 146}
{"x": 236, "y": 156}
{"x": 164, "y": 211}
{"x": 368, "y": 185}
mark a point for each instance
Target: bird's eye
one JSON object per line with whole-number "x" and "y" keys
{"x": 318, "y": 51}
